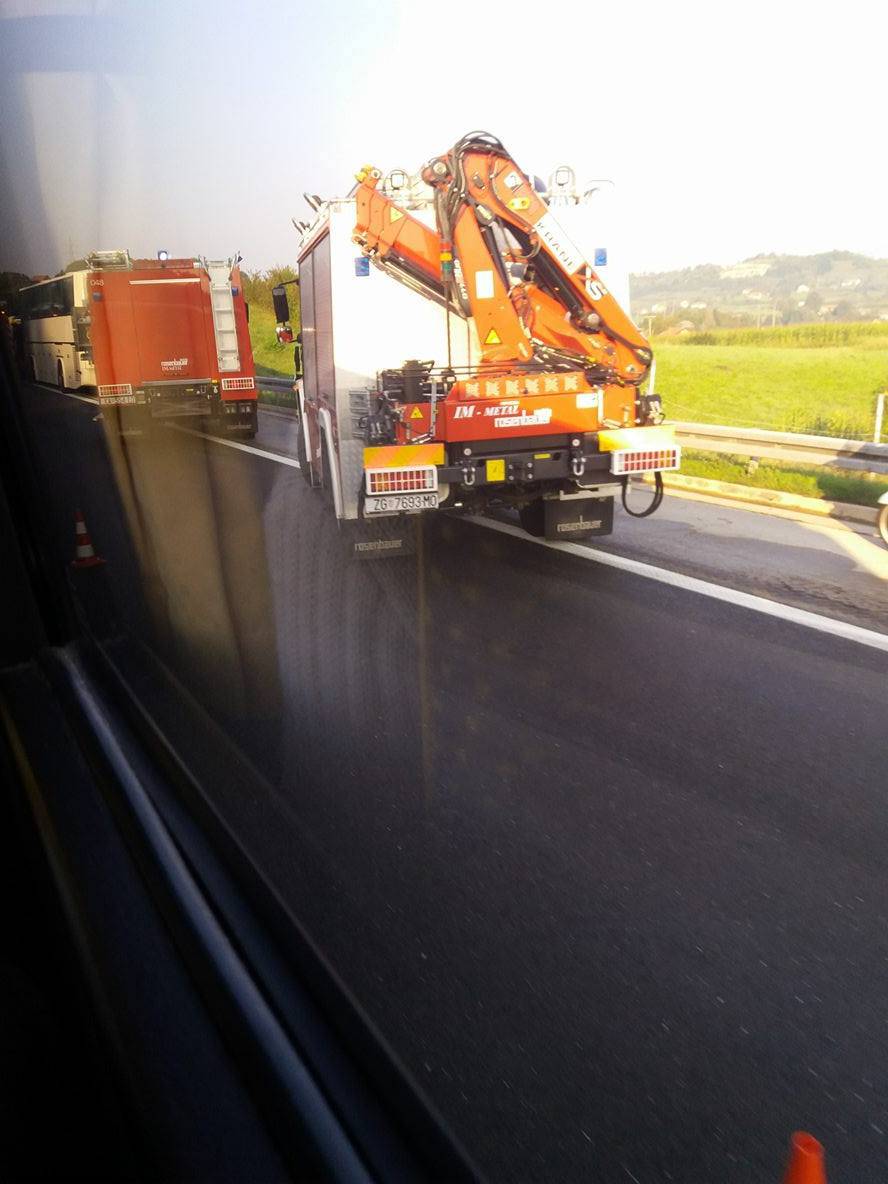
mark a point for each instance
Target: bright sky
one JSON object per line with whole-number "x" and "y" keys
{"x": 729, "y": 129}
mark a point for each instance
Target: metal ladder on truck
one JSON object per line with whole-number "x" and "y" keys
{"x": 222, "y": 304}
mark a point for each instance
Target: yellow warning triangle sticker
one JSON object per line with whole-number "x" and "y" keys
{"x": 394, "y": 214}
{"x": 416, "y": 413}
{"x": 493, "y": 338}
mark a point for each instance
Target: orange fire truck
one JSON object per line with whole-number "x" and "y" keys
{"x": 461, "y": 352}
{"x": 168, "y": 337}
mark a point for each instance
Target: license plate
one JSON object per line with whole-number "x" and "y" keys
{"x": 118, "y": 400}
{"x": 496, "y": 470}
{"x": 400, "y": 503}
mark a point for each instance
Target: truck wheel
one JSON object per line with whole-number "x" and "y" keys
{"x": 252, "y": 423}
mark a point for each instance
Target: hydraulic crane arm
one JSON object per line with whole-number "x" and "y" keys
{"x": 396, "y": 241}
{"x": 501, "y": 257}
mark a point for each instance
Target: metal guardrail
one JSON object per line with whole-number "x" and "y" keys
{"x": 269, "y": 383}
{"x": 857, "y": 456}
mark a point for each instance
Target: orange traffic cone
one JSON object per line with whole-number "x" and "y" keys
{"x": 85, "y": 555}
{"x": 806, "y": 1164}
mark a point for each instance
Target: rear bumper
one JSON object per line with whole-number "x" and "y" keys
{"x": 475, "y": 475}
{"x": 167, "y": 398}
{"x": 171, "y": 400}
{"x": 546, "y": 460}
{"x": 587, "y": 458}
{"x": 119, "y": 394}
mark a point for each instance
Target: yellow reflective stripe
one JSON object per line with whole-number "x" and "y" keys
{"x": 392, "y": 456}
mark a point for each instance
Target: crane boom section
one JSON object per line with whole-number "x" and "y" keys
{"x": 548, "y": 276}
{"x": 499, "y": 255}
{"x": 393, "y": 237}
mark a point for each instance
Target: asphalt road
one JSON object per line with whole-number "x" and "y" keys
{"x": 829, "y": 566}
{"x": 604, "y": 859}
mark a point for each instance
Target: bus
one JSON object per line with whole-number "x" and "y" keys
{"x": 52, "y": 337}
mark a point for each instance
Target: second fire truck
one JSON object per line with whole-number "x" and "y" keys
{"x": 166, "y": 337}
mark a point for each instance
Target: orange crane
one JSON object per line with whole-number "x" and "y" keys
{"x": 503, "y": 260}
{"x": 537, "y": 403}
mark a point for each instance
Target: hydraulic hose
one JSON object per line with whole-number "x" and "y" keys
{"x": 656, "y": 500}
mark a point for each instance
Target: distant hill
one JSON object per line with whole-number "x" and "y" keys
{"x": 766, "y": 289}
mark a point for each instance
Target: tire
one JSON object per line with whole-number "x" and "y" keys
{"x": 883, "y": 524}
{"x": 253, "y": 424}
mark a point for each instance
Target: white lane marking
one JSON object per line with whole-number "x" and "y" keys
{"x": 276, "y": 456}
{"x": 279, "y": 457}
{"x": 771, "y": 608}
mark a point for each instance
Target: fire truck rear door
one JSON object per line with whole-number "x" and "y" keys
{"x": 171, "y": 328}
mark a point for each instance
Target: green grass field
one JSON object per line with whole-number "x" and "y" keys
{"x": 807, "y": 480}
{"x": 821, "y": 379}
{"x": 269, "y": 355}
{"x": 824, "y": 390}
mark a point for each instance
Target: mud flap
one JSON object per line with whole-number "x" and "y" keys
{"x": 576, "y": 518}
{"x": 385, "y": 538}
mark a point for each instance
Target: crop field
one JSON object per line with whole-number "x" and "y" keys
{"x": 870, "y": 333}
{"x": 821, "y": 379}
